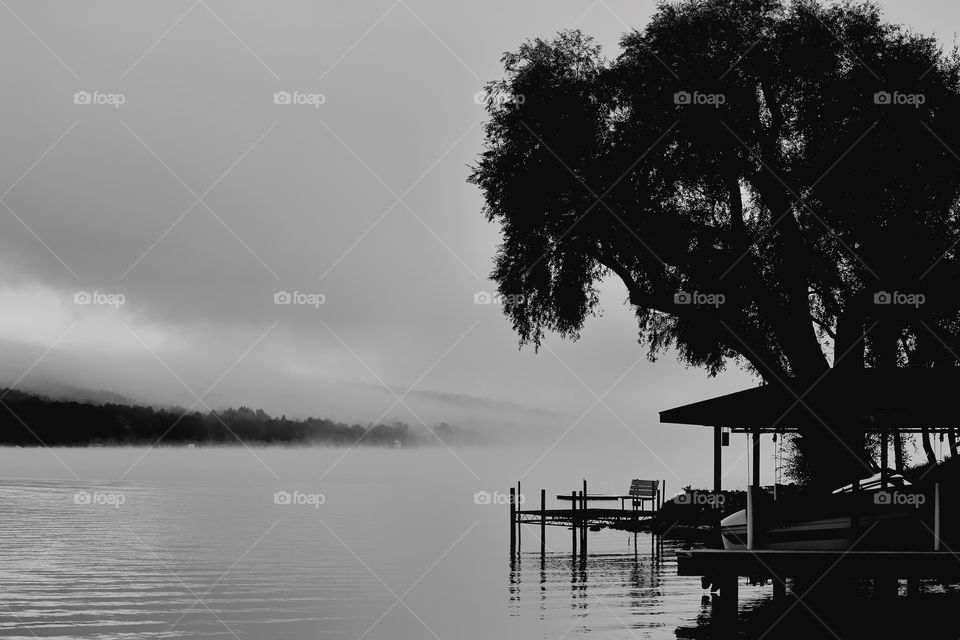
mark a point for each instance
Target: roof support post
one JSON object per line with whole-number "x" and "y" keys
{"x": 716, "y": 465}
{"x": 753, "y": 498}
{"x": 756, "y": 458}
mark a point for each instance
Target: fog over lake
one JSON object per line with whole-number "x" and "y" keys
{"x": 272, "y": 214}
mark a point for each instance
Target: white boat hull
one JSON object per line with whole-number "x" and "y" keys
{"x": 822, "y": 534}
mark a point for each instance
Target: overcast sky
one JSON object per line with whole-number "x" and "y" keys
{"x": 199, "y": 198}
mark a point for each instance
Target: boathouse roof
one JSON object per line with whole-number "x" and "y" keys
{"x": 904, "y": 399}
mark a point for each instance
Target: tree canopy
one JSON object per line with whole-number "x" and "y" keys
{"x": 775, "y": 184}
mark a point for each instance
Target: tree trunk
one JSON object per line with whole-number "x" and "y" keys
{"x": 836, "y": 454}
{"x": 928, "y": 447}
{"x": 898, "y": 450}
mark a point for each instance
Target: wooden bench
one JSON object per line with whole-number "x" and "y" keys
{"x": 641, "y": 491}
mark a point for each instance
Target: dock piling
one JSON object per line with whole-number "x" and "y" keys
{"x": 573, "y": 521}
{"x": 779, "y": 588}
{"x": 543, "y": 525}
{"x": 586, "y": 523}
{"x": 513, "y": 522}
{"x": 519, "y": 528}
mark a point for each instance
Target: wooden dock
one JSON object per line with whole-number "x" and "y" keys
{"x": 580, "y": 517}
{"x": 723, "y": 567}
{"x": 780, "y": 565}
{"x": 590, "y": 516}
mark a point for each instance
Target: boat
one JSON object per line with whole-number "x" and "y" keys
{"x": 880, "y": 515}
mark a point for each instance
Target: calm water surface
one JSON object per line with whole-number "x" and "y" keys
{"x": 191, "y": 544}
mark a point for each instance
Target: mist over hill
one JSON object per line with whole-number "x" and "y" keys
{"x": 37, "y": 420}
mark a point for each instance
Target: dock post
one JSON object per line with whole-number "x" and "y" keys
{"x": 728, "y": 594}
{"x": 583, "y": 524}
{"x": 519, "y": 529}
{"x": 913, "y": 587}
{"x": 543, "y": 524}
{"x": 573, "y": 521}
{"x": 583, "y": 545}
{"x": 513, "y": 522}
{"x": 779, "y": 588}
{"x": 886, "y": 587}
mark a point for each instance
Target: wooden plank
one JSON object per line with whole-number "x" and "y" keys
{"x": 589, "y": 513}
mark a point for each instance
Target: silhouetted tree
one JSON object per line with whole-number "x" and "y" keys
{"x": 757, "y": 173}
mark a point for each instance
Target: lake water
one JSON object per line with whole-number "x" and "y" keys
{"x": 191, "y": 543}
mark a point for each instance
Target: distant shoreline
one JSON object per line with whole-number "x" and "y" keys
{"x": 29, "y": 420}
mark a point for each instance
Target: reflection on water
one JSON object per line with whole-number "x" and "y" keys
{"x": 197, "y": 548}
{"x": 637, "y": 591}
